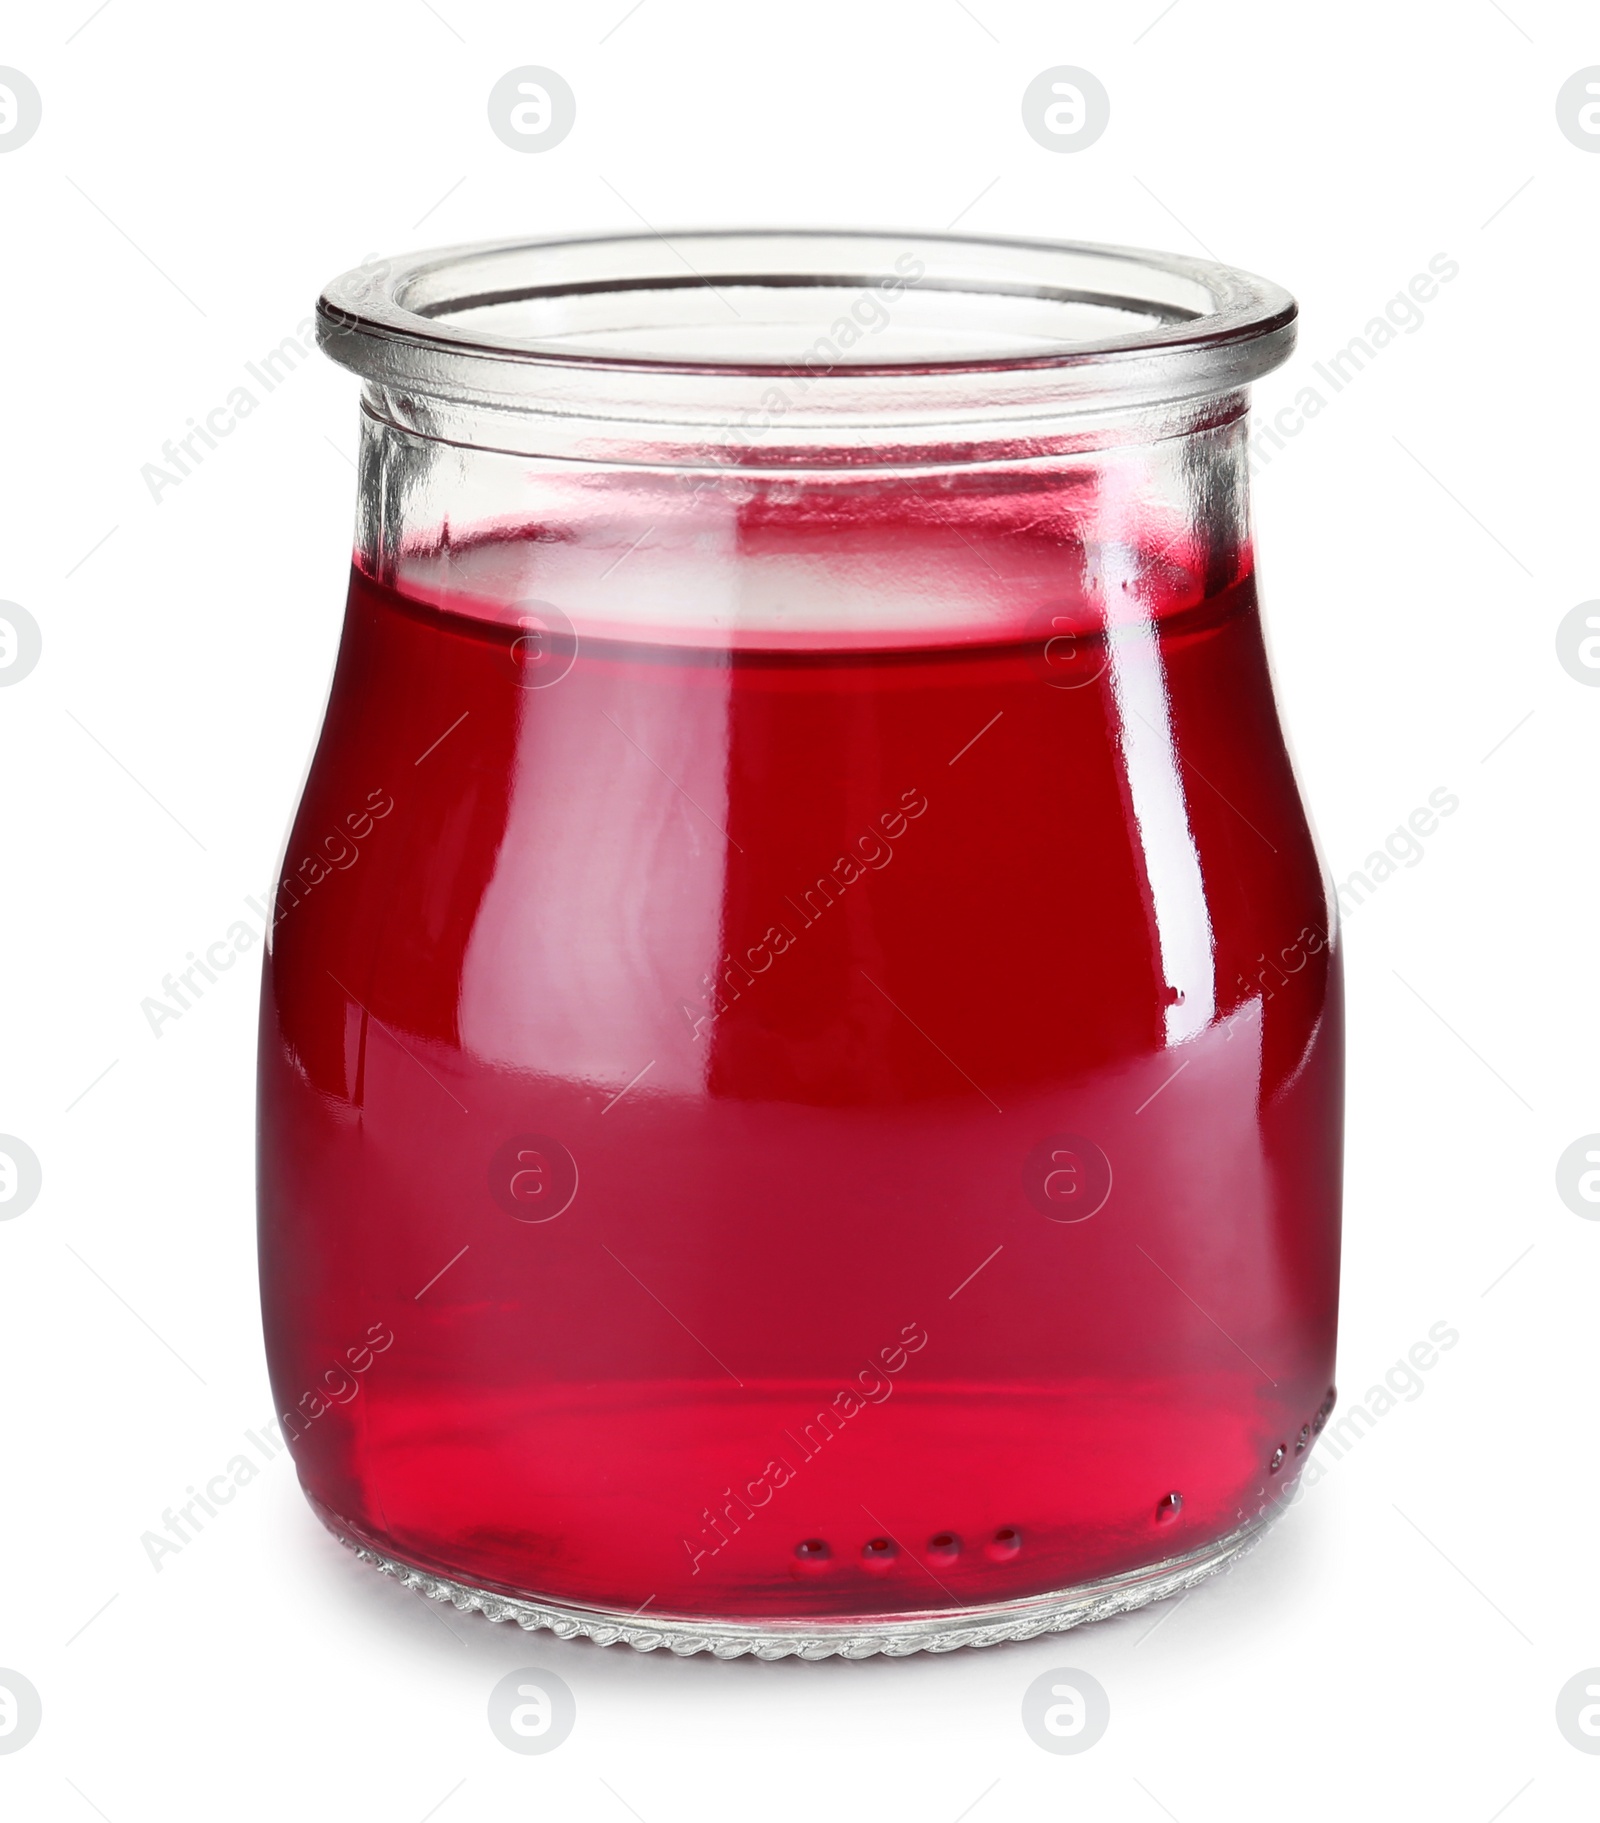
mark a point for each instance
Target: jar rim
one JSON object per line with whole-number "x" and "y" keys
{"x": 699, "y": 339}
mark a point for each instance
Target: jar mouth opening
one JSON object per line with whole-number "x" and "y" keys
{"x": 746, "y": 302}
{"x": 719, "y": 335}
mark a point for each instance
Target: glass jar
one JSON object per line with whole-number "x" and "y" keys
{"x": 801, "y": 1050}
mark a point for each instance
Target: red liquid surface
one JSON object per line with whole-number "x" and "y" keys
{"x": 644, "y": 1221}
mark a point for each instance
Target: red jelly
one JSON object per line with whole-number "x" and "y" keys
{"x": 801, "y": 1050}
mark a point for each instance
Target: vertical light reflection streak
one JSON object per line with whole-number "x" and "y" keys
{"x": 1155, "y": 785}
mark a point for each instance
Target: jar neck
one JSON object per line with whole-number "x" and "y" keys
{"x": 780, "y": 429}
{"x": 1149, "y": 515}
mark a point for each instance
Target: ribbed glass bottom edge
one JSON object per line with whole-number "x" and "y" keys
{"x": 821, "y": 1636}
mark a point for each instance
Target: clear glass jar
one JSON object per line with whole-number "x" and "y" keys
{"x": 801, "y": 1053}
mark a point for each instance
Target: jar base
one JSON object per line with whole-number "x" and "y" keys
{"x": 814, "y": 1637}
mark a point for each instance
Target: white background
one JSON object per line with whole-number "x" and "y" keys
{"x": 1400, "y": 1639}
